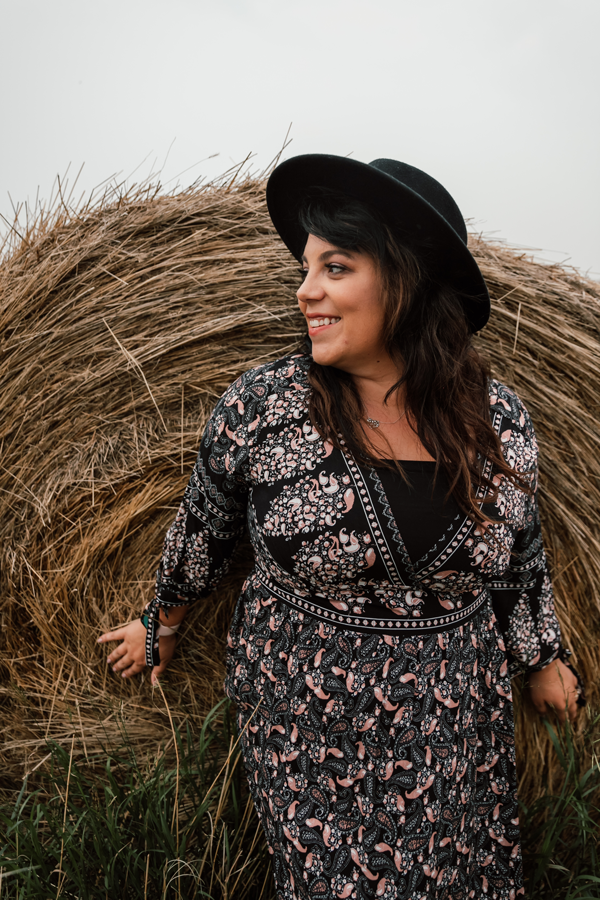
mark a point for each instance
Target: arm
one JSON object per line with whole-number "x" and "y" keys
{"x": 524, "y": 606}
{"x": 199, "y": 544}
{"x": 523, "y": 597}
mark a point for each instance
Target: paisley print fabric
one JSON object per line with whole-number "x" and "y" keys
{"x": 380, "y": 765}
{"x": 373, "y": 689}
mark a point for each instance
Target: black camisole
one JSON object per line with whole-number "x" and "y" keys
{"x": 420, "y": 508}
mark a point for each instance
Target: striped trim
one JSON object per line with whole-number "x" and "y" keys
{"x": 325, "y": 613}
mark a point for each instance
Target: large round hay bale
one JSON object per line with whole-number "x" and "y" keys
{"x": 121, "y": 325}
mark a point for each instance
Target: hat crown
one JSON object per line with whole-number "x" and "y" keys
{"x": 428, "y": 189}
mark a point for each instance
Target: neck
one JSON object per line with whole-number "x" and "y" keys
{"x": 373, "y": 387}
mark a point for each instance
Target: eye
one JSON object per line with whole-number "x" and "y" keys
{"x": 303, "y": 273}
{"x": 336, "y": 268}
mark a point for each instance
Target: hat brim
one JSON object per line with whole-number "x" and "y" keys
{"x": 416, "y": 222}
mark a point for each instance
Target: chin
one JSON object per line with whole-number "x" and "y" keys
{"x": 323, "y": 358}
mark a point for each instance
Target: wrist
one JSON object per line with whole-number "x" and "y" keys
{"x": 166, "y": 630}
{"x": 170, "y": 616}
{"x": 161, "y": 630}
{"x": 555, "y": 674}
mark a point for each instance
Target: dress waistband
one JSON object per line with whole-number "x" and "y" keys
{"x": 318, "y": 607}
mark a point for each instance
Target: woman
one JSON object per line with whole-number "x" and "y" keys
{"x": 389, "y": 487}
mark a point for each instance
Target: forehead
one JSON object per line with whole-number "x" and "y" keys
{"x": 321, "y": 250}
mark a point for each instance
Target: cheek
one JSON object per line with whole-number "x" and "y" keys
{"x": 366, "y": 322}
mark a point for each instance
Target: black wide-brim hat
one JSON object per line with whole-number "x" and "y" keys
{"x": 417, "y": 208}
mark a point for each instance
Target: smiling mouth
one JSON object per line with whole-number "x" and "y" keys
{"x": 327, "y": 320}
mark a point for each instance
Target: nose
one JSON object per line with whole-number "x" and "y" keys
{"x": 310, "y": 289}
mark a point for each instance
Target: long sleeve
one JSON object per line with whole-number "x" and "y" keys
{"x": 523, "y": 598}
{"x": 200, "y": 543}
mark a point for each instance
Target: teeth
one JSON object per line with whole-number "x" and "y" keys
{"x": 317, "y": 323}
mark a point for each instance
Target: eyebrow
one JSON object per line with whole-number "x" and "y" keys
{"x": 329, "y": 253}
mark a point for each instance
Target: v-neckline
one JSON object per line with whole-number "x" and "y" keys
{"x": 402, "y": 565}
{"x": 392, "y": 526}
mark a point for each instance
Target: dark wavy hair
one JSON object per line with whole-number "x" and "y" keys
{"x": 445, "y": 379}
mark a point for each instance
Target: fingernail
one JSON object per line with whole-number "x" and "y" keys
{"x": 123, "y": 675}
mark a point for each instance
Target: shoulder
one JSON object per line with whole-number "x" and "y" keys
{"x": 281, "y": 372}
{"x": 513, "y": 424}
{"x": 259, "y": 393}
{"x": 505, "y": 403}
{"x": 289, "y": 373}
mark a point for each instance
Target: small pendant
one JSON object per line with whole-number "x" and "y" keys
{"x": 373, "y": 423}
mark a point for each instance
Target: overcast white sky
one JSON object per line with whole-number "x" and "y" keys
{"x": 497, "y": 100}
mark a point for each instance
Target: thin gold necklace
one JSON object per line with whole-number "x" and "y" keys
{"x": 375, "y": 423}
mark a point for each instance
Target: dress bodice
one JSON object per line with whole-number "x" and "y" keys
{"x": 325, "y": 529}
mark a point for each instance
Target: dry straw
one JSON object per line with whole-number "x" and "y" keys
{"x": 121, "y": 323}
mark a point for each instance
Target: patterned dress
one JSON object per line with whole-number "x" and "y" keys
{"x": 373, "y": 687}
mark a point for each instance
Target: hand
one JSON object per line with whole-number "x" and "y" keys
{"x": 129, "y": 658}
{"x": 553, "y": 689}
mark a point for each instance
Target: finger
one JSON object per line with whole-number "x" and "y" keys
{"x": 167, "y": 648}
{"x": 117, "y": 635}
{"x": 573, "y": 708}
{"x": 134, "y": 669}
{"x": 157, "y": 671}
{"x": 539, "y": 703}
{"x": 117, "y": 653}
{"x": 123, "y": 663}
{"x": 559, "y": 710}
{"x": 567, "y": 708}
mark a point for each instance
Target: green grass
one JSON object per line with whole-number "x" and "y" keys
{"x": 184, "y": 827}
{"x": 561, "y": 831}
{"x": 112, "y": 828}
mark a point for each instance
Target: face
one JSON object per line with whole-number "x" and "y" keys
{"x": 341, "y": 297}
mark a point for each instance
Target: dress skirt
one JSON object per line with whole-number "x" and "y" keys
{"x": 381, "y": 766}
